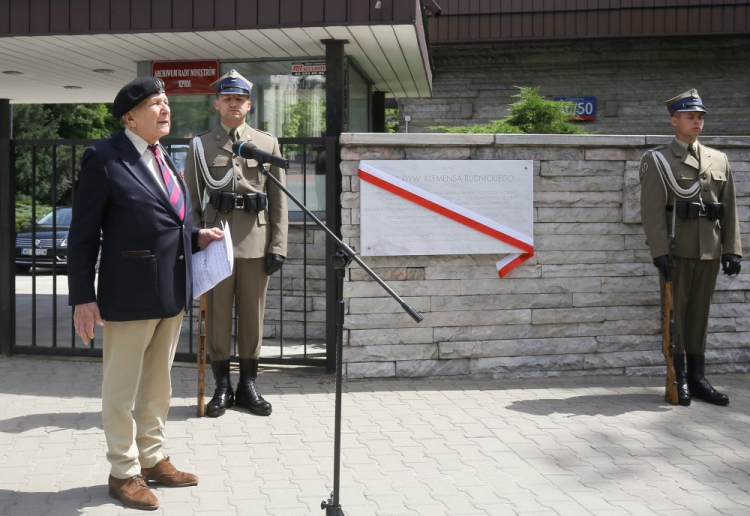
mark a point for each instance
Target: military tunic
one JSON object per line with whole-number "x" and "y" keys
{"x": 700, "y": 242}
{"x": 253, "y": 236}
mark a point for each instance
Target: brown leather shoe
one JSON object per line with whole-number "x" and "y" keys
{"x": 133, "y": 492}
{"x": 165, "y": 473}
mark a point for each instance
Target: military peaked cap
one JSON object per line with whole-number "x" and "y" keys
{"x": 232, "y": 82}
{"x": 688, "y": 101}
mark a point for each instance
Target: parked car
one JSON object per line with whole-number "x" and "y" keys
{"x": 43, "y": 248}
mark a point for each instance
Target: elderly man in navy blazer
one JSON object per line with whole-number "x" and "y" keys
{"x": 132, "y": 200}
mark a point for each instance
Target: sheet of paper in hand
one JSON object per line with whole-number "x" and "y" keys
{"x": 213, "y": 264}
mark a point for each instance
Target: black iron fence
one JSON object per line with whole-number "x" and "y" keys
{"x": 44, "y": 174}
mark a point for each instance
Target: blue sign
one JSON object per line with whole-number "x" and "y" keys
{"x": 585, "y": 107}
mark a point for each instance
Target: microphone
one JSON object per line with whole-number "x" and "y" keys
{"x": 249, "y": 151}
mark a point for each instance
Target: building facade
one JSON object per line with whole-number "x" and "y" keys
{"x": 628, "y": 56}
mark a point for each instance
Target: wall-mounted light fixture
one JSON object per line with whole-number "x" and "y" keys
{"x": 433, "y": 7}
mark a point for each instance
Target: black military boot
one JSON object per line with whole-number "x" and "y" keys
{"x": 223, "y": 395}
{"x": 247, "y": 395}
{"x": 697, "y": 383}
{"x": 683, "y": 393}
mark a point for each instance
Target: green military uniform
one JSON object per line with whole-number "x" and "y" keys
{"x": 227, "y": 188}
{"x": 700, "y": 242}
{"x": 253, "y": 235}
{"x": 679, "y": 173}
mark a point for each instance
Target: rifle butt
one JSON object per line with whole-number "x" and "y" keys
{"x": 202, "y": 331}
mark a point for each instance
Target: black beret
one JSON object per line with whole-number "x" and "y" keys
{"x": 134, "y": 92}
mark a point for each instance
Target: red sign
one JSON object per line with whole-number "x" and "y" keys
{"x": 308, "y": 68}
{"x": 186, "y": 77}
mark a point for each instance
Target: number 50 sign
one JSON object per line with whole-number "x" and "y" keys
{"x": 583, "y": 108}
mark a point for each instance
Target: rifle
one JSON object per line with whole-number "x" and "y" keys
{"x": 202, "y": 331}
{"x": 667, "y": 326}
{"x": 667, "y": 339}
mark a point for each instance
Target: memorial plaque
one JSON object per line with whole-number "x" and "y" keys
{"x": 432, "y": 207}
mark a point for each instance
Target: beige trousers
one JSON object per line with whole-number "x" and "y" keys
{"x": 136, "y": 391}
{"x": 244, "y": 290}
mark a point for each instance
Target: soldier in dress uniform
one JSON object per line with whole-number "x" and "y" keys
{"x": 687, "y": 193}
{"x": 226, "y": 187}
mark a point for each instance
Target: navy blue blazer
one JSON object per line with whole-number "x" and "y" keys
{"x": 146, "y": 267}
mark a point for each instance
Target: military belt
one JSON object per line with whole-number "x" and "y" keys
{"x": 693, "y": 210}
{"x": 229, "y": 201}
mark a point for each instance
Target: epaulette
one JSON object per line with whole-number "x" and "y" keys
{"x": 204, "y": 132}
{"x": 264, "y": 132}
{"x": 712, "y": 149}
{"x": 650, "y": 151}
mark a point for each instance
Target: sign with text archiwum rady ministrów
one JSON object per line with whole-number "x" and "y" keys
{"x": 431, "y": 207}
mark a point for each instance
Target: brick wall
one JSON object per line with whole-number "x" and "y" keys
{"x": 631, "y": 78}
{"x": 586, "y": 303}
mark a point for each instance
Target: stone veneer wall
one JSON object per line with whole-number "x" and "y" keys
{"x": 304, "y": 300}
{"x": 587, "y": 303}
{"x": 630, "y": 78}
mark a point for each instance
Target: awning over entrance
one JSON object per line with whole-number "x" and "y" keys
{"x": 44, "y": 61}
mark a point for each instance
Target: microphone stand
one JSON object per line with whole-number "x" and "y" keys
{"x": 340, "y": 261}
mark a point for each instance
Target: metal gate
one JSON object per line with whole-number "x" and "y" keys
{"x": 297, "y": 329}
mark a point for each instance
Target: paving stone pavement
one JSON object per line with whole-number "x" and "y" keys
{"x": 541, "y": 447}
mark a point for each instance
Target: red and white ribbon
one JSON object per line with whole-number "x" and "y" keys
{"x": 524, "y": 243}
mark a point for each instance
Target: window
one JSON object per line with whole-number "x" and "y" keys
{"x": 290, "y": 106}
{"x": 359, "y": 102}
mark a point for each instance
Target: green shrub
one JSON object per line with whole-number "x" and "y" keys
{"x": 496, "y": 127}
{"x": 23, "y": 211}
{"x": 52, "y": 179}
{"x": 391, "y": 120}
{"x": 531, "y": 114}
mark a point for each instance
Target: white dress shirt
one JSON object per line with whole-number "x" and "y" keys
{"x": 147, "y": 156}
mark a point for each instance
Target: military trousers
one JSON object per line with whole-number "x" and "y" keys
{"x": 693, "y": 284}
{"x": 245, "y": 292}
{"x": 136, "y": 391}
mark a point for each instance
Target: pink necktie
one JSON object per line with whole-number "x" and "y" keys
{"x": 173, "y": 191}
